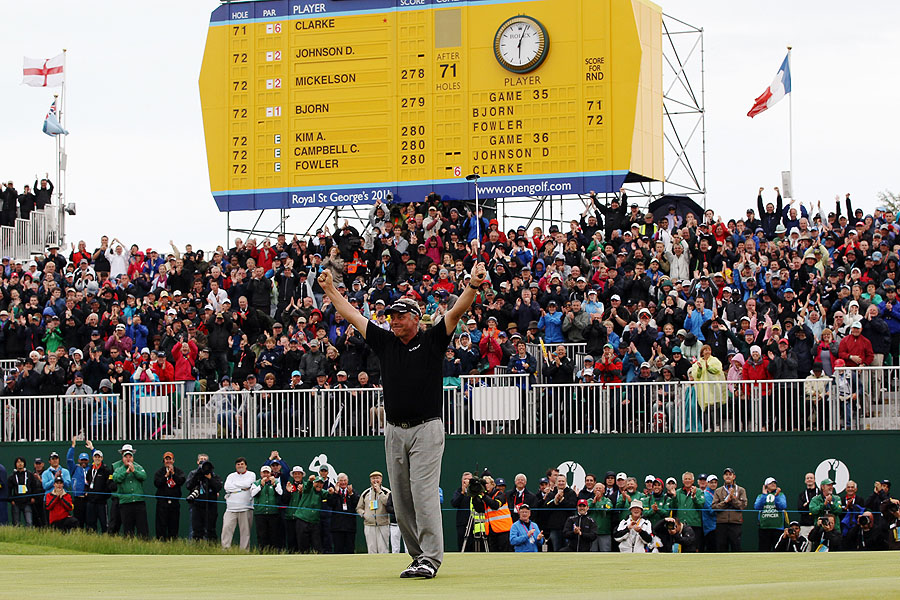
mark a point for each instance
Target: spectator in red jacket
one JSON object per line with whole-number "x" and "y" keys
{"x": 608, "y": 369}
{"x": 163, "y": 368}
{"x": 856, "y": 349}
{"x": 184, "y": 366}
{"x": 489, "y": 345}
{"x": 58, "y": 503}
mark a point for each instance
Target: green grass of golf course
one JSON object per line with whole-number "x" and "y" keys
{"x": 114, "y": 567}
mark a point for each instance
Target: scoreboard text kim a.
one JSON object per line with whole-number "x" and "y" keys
{"x": 344, "y": 101}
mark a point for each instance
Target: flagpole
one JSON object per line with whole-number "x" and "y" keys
{"x": 60, "y": 168}
{"x": 790, "y": 127}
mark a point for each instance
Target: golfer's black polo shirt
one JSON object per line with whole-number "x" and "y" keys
{"x": 412, "y": 374}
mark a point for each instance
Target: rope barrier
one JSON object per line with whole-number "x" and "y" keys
{"x": 12, "y": 499}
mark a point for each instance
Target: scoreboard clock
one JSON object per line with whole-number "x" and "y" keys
{"x": 521, "y": 44}
{"x": 312, "y": 103}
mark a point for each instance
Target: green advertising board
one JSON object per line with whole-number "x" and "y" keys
{"x": 861, "y": 456}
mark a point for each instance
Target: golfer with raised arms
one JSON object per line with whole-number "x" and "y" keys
{"x": 411, "y": 371}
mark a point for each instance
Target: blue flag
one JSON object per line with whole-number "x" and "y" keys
{"x": 51, "y": 123}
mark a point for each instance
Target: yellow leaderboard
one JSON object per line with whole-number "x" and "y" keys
{"x": 344, "y": 101}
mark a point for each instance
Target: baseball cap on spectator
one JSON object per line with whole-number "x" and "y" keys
{"x": 544, "y": 480}
{"x": 298, "y": 469}
{"x": 621, "y": 475}
{"x": 713, "y": 477}
{"x": 296, "y": 374}
{"x": 769, "y": 480}
{"x": 856, "y": 325}
{"x": 581, "y": 502}
{"x": 649, "y": 478}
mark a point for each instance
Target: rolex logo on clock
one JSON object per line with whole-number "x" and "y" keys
{"x": 521, "y": 44}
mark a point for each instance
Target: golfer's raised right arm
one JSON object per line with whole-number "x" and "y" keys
{"x": 353, "y": 316}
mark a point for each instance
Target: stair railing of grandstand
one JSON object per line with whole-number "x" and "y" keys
{"x": 855, "y": 399}
{"x": 30, "y": 237}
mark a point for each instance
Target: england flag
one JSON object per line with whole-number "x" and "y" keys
{"x": 779, "y": 88}
{"x": 44, "y": 72}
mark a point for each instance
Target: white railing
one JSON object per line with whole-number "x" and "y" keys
{"x": 868, "y": 397}
{"x": 29, "y": 237}
{"x": 30, "y": 418}
{"x": 856, "y": 399}
{"x": 573, "y": 349}
{"x": 152, "y": 410}
{"x": 491, "y": 404}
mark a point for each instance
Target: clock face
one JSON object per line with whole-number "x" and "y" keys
{"x": 521, "y": 44}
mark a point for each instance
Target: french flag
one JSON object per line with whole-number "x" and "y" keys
{"x": 779, "y": 88}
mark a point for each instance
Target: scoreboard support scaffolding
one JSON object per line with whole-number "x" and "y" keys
{"x": 683, "y": 135}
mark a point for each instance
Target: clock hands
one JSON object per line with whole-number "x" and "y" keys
{"x": 521, "y": 37}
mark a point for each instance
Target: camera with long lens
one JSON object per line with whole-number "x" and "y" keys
{"x": 476, "y": 487}
{"x": 863, "y": 519}
{"x": 205, "y": 468}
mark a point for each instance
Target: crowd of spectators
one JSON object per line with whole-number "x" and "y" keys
{"x": 293, "y": 511}
{"x": 289, "y": 510}
{"x": 789, "y": 293}
{"x": 14, "y": 204}
{"x": 691, "y": 515}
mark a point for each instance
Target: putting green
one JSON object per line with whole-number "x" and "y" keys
{"x": 745, "y": 575}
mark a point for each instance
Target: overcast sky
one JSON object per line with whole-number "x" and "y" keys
{"x": 137, "y": 160}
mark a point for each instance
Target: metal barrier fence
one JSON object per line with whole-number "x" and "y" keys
{"x": 572, "y": 351}
{"x": 56, "y": 418}
{"x": 152, "y": 410}
{"x": 29, "y": 237}
{"x": 869, "y": 397}
{"x": 855, "y": 399}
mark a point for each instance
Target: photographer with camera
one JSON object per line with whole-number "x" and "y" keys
{"x": 238, "y": 505}
{"x": 486, "y": 498}
{"x": 826, "y": 535}
{"x": 204, "y": 487}
{"x": 791, "y": 539}
{"x": 674, "y": 536}
{"x": 869, "y": 533}
{"x": 580, "y": 530}
{"x": 890, "y": 512}
{"x": 266, "y": 492}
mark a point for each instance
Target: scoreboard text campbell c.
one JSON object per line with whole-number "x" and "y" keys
{"x": 333, "y": 102}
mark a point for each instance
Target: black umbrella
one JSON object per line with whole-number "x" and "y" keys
{"x": 683, "y": 205}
